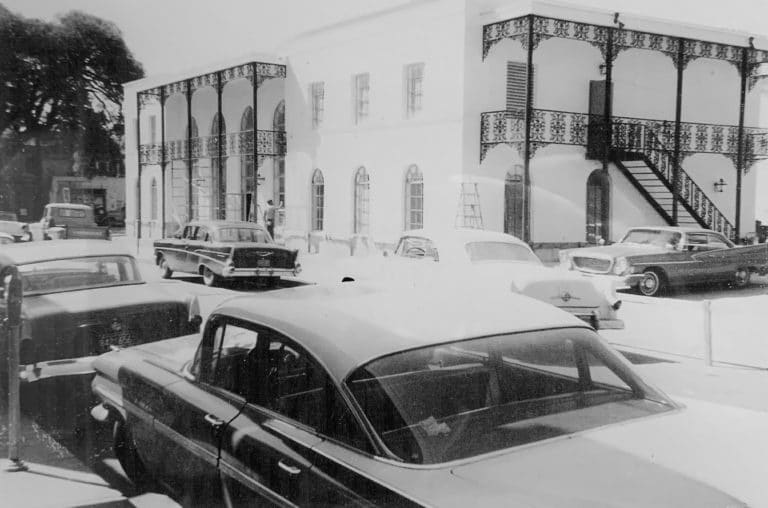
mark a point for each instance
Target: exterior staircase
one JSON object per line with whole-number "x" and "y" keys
{"x": 649, "y": 165}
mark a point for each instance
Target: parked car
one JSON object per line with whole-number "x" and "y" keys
{"x": 68, "y": 220}
{"x": 224, "y": 251}
{"x": 10, "y": 224}
{"x": 83, "y": 297}
{"x": 478, "y": 259}
{"x": 652, "y": 259}
{"x": 356, "y": 395}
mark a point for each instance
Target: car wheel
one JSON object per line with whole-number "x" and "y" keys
{"x": 742, "y": 278}
{"x": 165, "y": 270}
{"x": 210, "y": 279}
{"x": 652, "y": 283}
{"x": 128, "y": 456}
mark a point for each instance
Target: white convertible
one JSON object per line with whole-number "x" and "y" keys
{"x": 480, "y": 261}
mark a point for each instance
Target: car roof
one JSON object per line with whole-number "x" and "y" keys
{"x": 676, "y": 229}
{"x": 463, "y": 235}
{"x": 348, "y": 324}
{"x": 218, "y": 224}
{"x": 49, "y": 250}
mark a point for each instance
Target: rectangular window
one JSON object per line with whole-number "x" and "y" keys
{"x": 152, "y": 128}
{"x": 361, "y": 89}
{"x": 317, "y": 101}
{"x": 414, "y": 78}
{"x": 517, "y": 84}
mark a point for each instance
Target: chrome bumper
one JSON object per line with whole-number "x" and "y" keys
{"x": 616, "y": 281}
{"x": 260, "y": 272}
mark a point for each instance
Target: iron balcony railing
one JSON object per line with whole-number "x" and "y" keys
{"x": 269, "y": 143}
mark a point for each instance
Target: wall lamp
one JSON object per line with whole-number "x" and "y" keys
{"x": 719, "y": 185}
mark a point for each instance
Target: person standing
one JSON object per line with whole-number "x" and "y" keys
{"x": 269, "y": 218}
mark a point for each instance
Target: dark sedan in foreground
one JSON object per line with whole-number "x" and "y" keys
{"x": 225, "y": 250}
{"x": 83, "y": 297}
{"x": 355, "y": 395}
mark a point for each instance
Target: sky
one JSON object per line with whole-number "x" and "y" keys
{"x": 169, "y": 36}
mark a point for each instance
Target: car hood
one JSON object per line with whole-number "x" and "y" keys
{"x": 90, "y": 300}
{"x": 702, "y": 455}
{"x": 617, "y": 250}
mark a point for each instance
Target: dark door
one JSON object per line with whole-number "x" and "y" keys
{"x": 514, "y": 195}
{"x": 268, "y": 451}
{"x": 596, "y": 126}
{"x": 597, "y": 207}
{"x": 196, "y": 411}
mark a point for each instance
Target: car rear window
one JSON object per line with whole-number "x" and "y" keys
{"x": 243, "y": 235}
{"x": 69, "y": 212}
{"x": 499, "y": 251}
{"x": 78, "y": 273}
{"x": 462, "y": 399}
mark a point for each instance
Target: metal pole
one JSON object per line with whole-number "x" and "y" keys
{"x": 607, "y": 113}
{"x": 189, "y": 149}
{"x": 678, "y": 115}
{"x": 708, "y": 333}
{"x": 527, "y": 148}
{"x": 222, "y": 139}
{"x": 138, "y": 150}
{"x": 740, "y": 143}
{"x": 11, "y": 325}
{"x": 255, "y": 143}
{"x": 163, "y": 156}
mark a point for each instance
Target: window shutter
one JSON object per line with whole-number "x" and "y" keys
{"x": 517, "y": 82}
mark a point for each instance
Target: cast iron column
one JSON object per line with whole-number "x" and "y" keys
{"x": 138, "y": 150}
{"x": 678, "y": 114}
{"x": 163, "y": 156}
{"x": 527, "y": 148}
{"x": 607, "y": 113}
{"x": 222, "y": 138}
{"x": 189, "y": 149}
{"x": 740, "y": 142}
{"x": 254, "y": 200}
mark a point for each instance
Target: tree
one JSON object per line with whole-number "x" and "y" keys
{"x": 63, "y": 80}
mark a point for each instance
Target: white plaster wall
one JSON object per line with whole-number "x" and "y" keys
{"x": 387, "y": 142}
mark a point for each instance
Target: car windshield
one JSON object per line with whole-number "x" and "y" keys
{"x": 658, "y": 237}
{"x": 417, "y": 247}
{"x": 243, "y": 235}
{"x": 8, "y": 216}
{"x": 462, "y": 399}
{"x": 499, "y": 251}
{"x": 78, "y": 273}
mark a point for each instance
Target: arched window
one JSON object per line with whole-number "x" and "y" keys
{"x": 362, "y": 201}
{"x": 242, "y": 203}
{"x": 153, "y": 200}
{"x": 278, "y": 124}
{"x": 414, "y": 198}
{"x": 318, "y": 200}
{"x": 597, "y": 207}
{"x": 514, "y": 196}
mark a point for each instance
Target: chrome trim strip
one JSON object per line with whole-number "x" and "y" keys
{"x": 238, "y": 476}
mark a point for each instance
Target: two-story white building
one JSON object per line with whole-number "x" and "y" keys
{"x": 491, "y": 114}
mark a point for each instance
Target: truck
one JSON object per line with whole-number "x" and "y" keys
{"x": 69, "y": 220}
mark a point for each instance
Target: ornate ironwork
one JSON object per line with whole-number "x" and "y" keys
{"x": 597, "y": 35}
{"x": 150, "y": 153}
{"x": 263, "y": 71}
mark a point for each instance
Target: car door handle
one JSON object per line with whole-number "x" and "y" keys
{"x": 291, "y": 470}
{"x": 213, "y": 421}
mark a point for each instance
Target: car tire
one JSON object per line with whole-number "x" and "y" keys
{"x": 210, "y": 279}
{"x": 165, "y": 270}
{"x": 653, "y": 283}
{"x": 741, "y": 278}
{"x": 126, "y": 453}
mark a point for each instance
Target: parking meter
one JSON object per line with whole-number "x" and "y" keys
{"x": 12, "y": 294}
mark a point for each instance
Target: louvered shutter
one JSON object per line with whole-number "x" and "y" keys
{"x": 517, "y": 82}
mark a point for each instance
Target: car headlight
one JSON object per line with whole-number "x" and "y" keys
{"x": 621, "y": 266}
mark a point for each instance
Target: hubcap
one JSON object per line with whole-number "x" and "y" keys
{"x": 650, "y": 282}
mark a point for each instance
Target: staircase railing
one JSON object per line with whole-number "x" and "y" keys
{"x": 631, "y": 137}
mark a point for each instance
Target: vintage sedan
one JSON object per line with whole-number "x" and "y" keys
{"x": 356, "y": 395}
{"x": 476, "y": 260}
{"x": 653, "y": 259}
{"x": 10, "y": 224}
{"x": 225, "y": 250}
{"x": 83, "y": 297}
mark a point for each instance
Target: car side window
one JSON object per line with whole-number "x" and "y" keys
{"x": 696, "y": 242}
{"x": 716, "y": 242}
{"x": 299, "y": 388}
{"x": 190, "y": 232}
{"x": 228, "y": 362}
{"x": 203, "y": 234}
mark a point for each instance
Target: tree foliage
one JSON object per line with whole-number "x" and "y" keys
{"x": 63, "y": 79}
